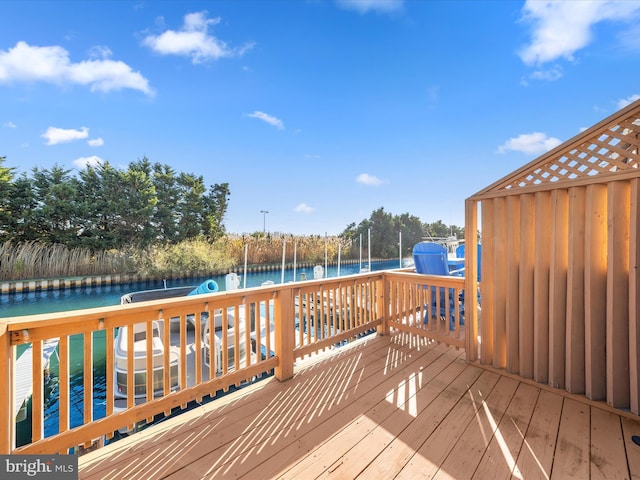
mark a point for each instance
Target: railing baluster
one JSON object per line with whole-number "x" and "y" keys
{"x": 37, "y": 406}
{"x": 87, "y": 380}
{"x": 63, "y": 384}
{"x": 149, "y": 377}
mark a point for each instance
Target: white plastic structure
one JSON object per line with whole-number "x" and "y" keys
{"x": 318, "y": 272}
{"x": 232, "y": 281}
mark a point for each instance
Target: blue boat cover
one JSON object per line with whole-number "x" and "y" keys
{"x": 209, "y": 286}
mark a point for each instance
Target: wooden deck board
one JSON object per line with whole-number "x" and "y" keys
{"x": 463, "y": 459}
{"x": 500, "y": 456}
{"x": 383, "y": 407}
{"x": 571, "y": 459}
{"x": 608, "y": 459}
{"x": 536, "y": 454}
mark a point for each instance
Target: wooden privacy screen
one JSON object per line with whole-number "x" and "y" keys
{"x": 560, "y": 247}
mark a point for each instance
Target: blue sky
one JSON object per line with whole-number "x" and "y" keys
{"x": 317, "y": 111}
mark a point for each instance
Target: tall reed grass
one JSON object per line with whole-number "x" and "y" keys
{"x": 33, "y": 260}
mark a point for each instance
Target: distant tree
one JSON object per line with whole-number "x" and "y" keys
{"x": 21, "y": 206}
{"x": 55, "y": 217}
{"x": 6, "y": 179}
{"x": 216, "y": 204}
{"x": 412, "y": 232}
{"x": 385, "y": 229}
{"x": 439, "y": 229}
{"x": 135, "y": 206}
{"x": 166, "y": 213}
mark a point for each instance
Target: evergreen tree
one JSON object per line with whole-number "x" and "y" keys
{"x": 6, "y": 179}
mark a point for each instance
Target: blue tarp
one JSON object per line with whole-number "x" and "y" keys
{"x": 209, "y": 286}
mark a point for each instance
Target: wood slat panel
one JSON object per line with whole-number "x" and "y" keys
{"x": 558, "y": 287}
{"x": 526, "y": 285}
{"x": 513, "y": 284}
{"x": 542, "y": 264}
{"x": 500, "y": 284}
{"x": 595, "y": 281}
{"x": 574, "y": 374}
{"x": 634, "y": 297}
{"x": 618, "y": 296}
{"x": 486, "y": 329}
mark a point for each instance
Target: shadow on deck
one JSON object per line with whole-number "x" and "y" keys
{"x": 384, "y": 407}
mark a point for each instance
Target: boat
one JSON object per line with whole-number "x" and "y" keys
{"x": 224, "y": 332}
{"x": 140, "y": 343}
{"x": 121, "y": 346}
{"x": 121, "y": 356}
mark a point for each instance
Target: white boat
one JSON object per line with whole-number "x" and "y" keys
{"x": 139, "y": 353}
{"x": 224, "y": 328}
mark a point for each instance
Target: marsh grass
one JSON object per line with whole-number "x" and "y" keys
{"x": 33, "y": 260}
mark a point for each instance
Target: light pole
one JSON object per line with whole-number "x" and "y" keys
{"x": 264, "y": 220}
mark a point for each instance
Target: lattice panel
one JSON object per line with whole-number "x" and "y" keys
{"x": 606, "y": 150}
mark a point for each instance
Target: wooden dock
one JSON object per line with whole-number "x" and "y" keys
{"x": 24, "y": 367}
{"x": 383, "y": 407}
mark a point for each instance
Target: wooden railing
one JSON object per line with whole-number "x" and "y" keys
{"x": 274, "y": 325}
{"x": 426, "y": 305}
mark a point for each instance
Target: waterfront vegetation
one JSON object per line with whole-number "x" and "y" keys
{"x": 33, "y": 260}
{"x": 150, "y": 220}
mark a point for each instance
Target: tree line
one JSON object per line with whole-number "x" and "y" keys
{"x": 103, "y": 207}
{"x": 384, "y": 229}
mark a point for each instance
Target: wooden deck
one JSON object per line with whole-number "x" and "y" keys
{"x": 384, "y": 407}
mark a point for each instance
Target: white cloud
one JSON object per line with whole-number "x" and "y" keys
{"x": 529, "y": 143}
{"x": 92, "y": 161}
{"x": 562, "y": 28}
{"x": 52, "y": 64}
{"x": 549, "y": 75}
{"x": 628, "y": 101}
{"x": 364, "y": 6}
{"x": 193, "y": 40}
{"x": 95, "y": 142}
{"x": 55, "y": 135}
{"x": 265, "y": 117}
{"x": 367, "y": 179}
{"x": 9, "y": 124}
{"x": 304, "y": 208}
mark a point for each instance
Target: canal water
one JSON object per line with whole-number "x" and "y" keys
{"x": 30, "y": 303}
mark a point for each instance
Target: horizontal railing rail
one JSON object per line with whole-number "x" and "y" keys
{"x": 149, "y": 359}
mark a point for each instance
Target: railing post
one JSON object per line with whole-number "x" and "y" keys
{"x": 472, "y": 319}
{"x": 284, "y": 334}
{"x": 383, "y": 305}
{"x": 7, "y": 365}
